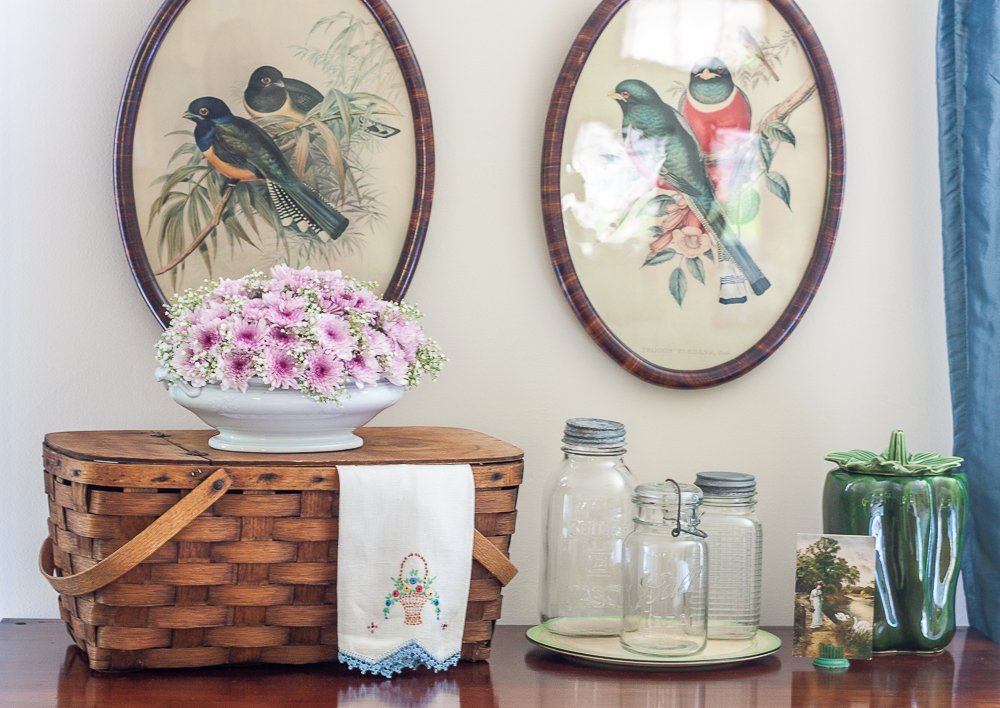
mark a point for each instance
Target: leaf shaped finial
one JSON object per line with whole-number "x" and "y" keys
{"x": 895, "y": 460}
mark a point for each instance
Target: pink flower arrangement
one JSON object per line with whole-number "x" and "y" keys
{"x": 313, "y": 331}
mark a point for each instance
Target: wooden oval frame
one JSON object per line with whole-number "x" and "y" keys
{"x": 125, "y": 134}
{"x": 556, "y": 235}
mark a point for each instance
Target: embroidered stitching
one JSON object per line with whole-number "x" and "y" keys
{"x": 413, "y": 593}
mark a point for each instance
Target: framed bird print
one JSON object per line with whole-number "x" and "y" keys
{"x": 692, "y": 178}
{"x": 254, "y": 133}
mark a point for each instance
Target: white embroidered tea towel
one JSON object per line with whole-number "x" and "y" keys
{"x": 404, "y": 561}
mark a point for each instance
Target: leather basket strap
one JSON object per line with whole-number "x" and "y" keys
{"x": 139, "y": 548}
{"x": 493, "y": 559}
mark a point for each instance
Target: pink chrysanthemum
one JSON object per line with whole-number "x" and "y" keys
{"x": 185, "y": 362}
{"x": 395, "y": 370}
{"x": 249, "y": 334}
{"x": 209, "y": 313}
{"x": 281, "y": 338}
{"x": 364, "y": 370}
{"x": 254, "y": 309}
{"x": 230, "y": 288}
{"x": 235, "y": 370}
{"x": 280, "y": 369}
{"x": 287, "y": 277}
{"x": 284, "y": 309}
{"x": 326, "y": 372}
{"x": 378, "y": 343}
{"x": 334, "y": 334}
{"x": 207, "y": 336}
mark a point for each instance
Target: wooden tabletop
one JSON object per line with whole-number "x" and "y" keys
{"x": 40, "y": 667}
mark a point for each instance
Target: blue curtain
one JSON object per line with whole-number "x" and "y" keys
{"x": 968, "y": 80}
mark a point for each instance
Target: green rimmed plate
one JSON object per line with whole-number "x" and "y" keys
{"x": 608, "y": 651}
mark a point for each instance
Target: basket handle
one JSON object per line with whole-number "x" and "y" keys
{"x": 147, "y": 542}
{"x": 493, "y": 559}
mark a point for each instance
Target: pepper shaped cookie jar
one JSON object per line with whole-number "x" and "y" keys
{"x": 915, "y": 505}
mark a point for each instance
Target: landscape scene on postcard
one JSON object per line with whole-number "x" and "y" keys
{"x": 834, "y": 594}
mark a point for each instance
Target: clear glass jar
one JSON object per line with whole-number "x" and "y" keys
{"x": 586, "y": 520}
{"x": 665, "y": 573}
{"x": 736, "y": 541}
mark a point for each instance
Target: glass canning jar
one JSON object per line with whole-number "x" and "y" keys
{"x": 589, "y": 503}
{"x": 665, "y": 573}
{"x": 735, "y": 540}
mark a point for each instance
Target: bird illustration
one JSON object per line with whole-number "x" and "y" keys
{"x": 269, "y": 93}
{"x": 719, "y": 114}
{"x": 650, "y": 126}
{"x": 242, "y": 151}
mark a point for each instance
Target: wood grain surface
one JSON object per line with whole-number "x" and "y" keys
{"x": 180, "y": 458}
{"x": 128, "y": 219}
{"x": 40, "y": 667}
{"x": 556, "y": 236}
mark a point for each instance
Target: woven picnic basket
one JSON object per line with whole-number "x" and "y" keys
{"x": 168, "y": 553}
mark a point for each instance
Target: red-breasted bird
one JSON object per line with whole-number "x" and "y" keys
{"x": 242, "y": 150}
{"x": 269, "y": 93}
{"x": 719, "y": 114}
{"x": 651, "y": 127}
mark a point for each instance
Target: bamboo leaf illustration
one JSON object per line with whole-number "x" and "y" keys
{"x": 777, "y": 130}
{"x": 710, "y": 254}
{"x": 743, "y": 209}
{"x": 181, "y": 174}
{"x": 242, "y": 194}
{"x": 779, "y": 187}
{"x": 696, "y": 269}
{"x": 336, "y": 156}
{"x": 660, "y": 257}
{"x": 301, "y": 153}
{"x": 345, "y": 113}
{"x": 678, "y": 285}
{"x": 203, "y": 250}
{"x": 185, "y": 149}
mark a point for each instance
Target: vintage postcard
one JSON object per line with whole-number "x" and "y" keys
{"x": 834, "y": 595}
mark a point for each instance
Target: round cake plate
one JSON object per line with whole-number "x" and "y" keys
{"x": 718, "y": 653}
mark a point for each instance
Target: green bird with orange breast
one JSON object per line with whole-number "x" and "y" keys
{"x": 243, "y": 151}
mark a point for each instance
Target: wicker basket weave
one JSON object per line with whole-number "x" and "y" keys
{"x": 167, "y": 553}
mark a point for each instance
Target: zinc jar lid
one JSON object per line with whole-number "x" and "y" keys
{"x": 726, "y": 483}
{"x": 665, "y": 494}
{"x": 594, "y": 433}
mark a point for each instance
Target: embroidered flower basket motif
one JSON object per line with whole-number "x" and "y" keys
{"x": 413, "y": 592}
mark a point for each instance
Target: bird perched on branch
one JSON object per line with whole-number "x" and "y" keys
{"x": 269, "y": 93}
{"x": 650, "y": 126}
{"x": 243, "y": 151}
{"x": 719, "y": 114}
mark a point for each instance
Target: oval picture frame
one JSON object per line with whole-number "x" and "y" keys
{"x": 583, "y": 148}
{"x": 391, "y": 139}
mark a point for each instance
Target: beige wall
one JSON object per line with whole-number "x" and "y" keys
{"x": 76, "y": 338}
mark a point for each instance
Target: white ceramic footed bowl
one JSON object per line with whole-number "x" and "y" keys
{"x": 284, "y": 420}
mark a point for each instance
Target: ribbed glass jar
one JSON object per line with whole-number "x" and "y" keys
{"x": 735, "y": 541}
{"x": 665, "y": 574}
{"x": 587, "y": 515}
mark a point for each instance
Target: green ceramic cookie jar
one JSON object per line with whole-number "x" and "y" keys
{"x": 915, "y": 505}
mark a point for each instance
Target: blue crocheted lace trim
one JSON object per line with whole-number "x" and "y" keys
{"x": 408, "y": 656}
